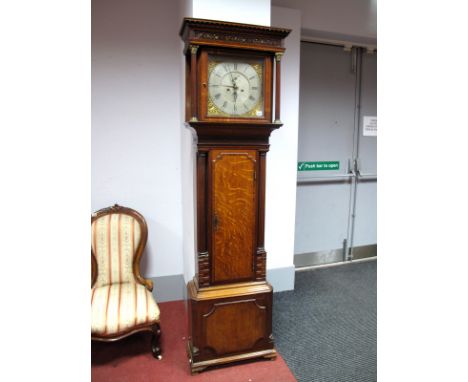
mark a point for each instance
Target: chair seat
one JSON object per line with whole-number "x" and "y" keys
{"x": 118, "y": 308}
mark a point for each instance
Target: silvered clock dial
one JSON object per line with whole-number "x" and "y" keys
{"x": 235, "y": 88}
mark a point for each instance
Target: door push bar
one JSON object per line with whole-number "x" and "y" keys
{"x": 324, "y": 178}
{"x": 359, "y": 174}
{"x": 353, "y": 172}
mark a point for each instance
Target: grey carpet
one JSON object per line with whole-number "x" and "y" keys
{"x": 326, "y": 329}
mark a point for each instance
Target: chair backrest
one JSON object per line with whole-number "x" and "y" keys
{"x": 118, "y": 238}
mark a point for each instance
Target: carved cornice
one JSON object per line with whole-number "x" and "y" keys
{"x": 226, "y": 36}
{"x": 212, "y": 32}
{"x": 189, "y": 21}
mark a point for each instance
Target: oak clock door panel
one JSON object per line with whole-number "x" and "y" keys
{"x": 233, "y": 214}
{"x": 226, "y": 333}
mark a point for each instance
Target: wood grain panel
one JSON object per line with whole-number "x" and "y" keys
{"x": 226, "y": 332}
{"x": 233, "y": 214}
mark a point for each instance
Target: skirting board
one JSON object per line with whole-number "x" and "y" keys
{"x": 281, "y": 279}
{"x": 333, "y": 256}
{"x": 172, "y": 288}
{"x": 169, "y": 288}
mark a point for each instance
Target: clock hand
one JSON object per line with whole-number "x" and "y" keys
{"x": 235, "y": 93}
{"x": 232, "y": 79}
{"x": 226, "y": 86}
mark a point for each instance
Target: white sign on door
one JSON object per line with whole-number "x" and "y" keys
{"x": 369, "y": 126}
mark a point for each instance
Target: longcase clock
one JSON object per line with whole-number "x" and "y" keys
{"x": 231, "y": 71}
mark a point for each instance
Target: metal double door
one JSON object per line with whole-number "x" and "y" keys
{"x": 336, "y": 210}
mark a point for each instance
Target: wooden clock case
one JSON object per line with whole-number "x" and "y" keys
{"x": 229, "y": 299}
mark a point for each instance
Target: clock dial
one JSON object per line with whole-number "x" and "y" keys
{"x": 235, "y": 88}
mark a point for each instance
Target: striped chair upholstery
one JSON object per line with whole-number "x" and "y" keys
{"x": 119, "y": 308}
{"x": 119, "y": 303}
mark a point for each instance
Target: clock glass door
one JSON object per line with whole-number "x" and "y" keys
{"x": 233, "y": 174}
{"x": 235, "y": 87}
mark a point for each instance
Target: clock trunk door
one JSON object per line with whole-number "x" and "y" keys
{"x": 234, "y": 196}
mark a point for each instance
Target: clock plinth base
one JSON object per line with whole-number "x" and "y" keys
{"x": 229, "y": 323}
{"x": 197, "y": 367}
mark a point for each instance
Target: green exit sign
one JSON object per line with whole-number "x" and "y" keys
{"x": 318, "y": 166}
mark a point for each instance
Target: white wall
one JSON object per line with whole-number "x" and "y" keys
{"x": 239, "y": 11}
{"x": 352, "y": 18}
{"x": 136, "y": 109}
{"x": 282, "y": 158}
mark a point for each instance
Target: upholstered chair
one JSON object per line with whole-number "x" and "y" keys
{"x": 121, "y": 299}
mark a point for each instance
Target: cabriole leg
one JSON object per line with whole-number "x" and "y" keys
{"x": 156, "y": 341}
